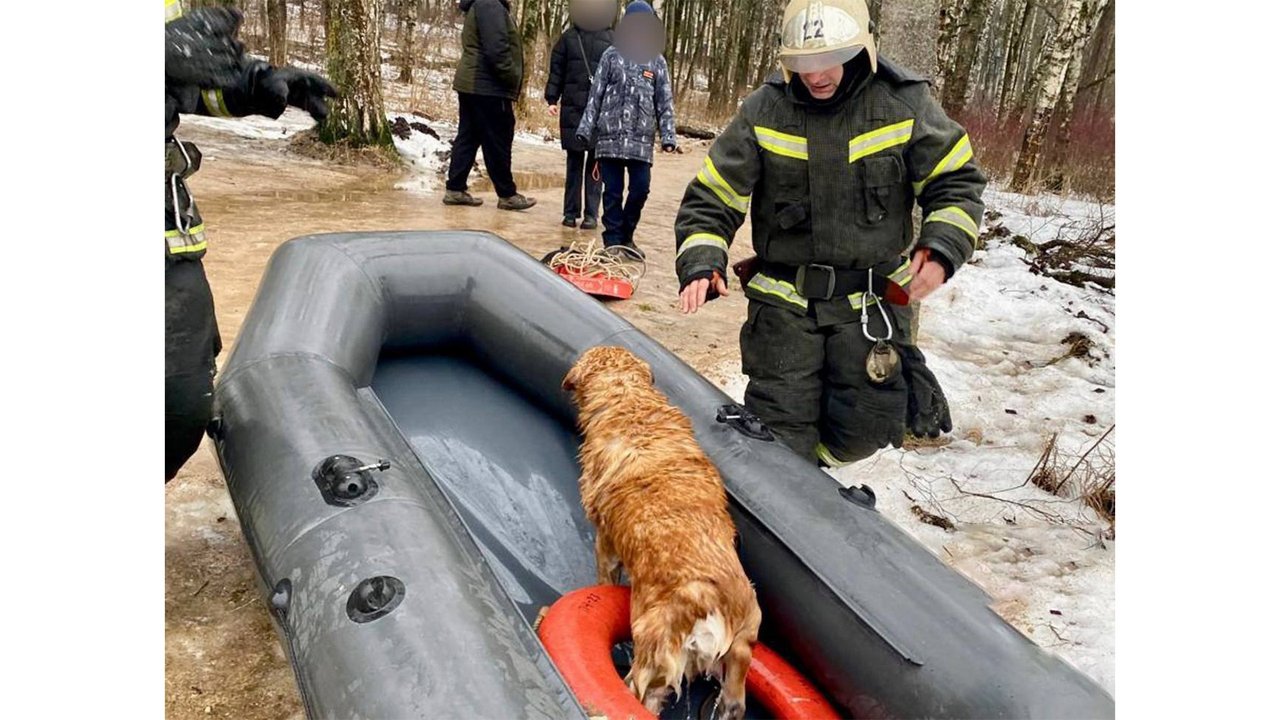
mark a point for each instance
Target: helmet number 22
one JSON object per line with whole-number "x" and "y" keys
{"x": 813, "y": 29}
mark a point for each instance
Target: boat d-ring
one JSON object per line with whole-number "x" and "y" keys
{"x": 581, "y": 628}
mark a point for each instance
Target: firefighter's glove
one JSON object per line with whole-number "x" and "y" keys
{"x": 307, "y": 91}
{"x": 270, "y": 90}
{"x": 201, "y": 49}
{"x": 927, "y": 412}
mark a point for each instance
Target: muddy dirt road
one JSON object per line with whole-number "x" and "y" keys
{"x": 222, "y": 657}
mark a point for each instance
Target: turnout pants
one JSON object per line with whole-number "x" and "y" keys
{"x": 581, "y": 190}
{"x": 809, "y": 383}
{"x": 620, "y": 220}
{"x": 488, "y": 123}
{"x": 191, "y": 342}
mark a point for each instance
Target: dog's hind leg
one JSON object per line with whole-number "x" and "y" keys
{"x": 733, "y": 690}
{"x": 608, "y": 564}
{"x": 659, "y": 663}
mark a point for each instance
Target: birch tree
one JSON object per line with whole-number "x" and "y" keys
{"x": 1048, "y": 85}
{"x": 968, "y": 24}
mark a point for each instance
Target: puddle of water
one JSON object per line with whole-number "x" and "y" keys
{"x": 524, "y": 181}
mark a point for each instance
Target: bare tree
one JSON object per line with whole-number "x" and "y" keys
{"x": 407, "y": 12}
{"x": 1090, "y": 14}
{"x": 965, "y": 28}
{"x": 1048, "y": 85}
{"x": 1013, "y": 49}
{"x": 353, "y": 35}
{"x": 278, "y": 32}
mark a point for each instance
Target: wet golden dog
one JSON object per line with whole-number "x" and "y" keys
{"x": 660, "y": 510}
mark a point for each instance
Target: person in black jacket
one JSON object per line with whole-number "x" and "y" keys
{"x": 487, "y": 81}
{"x": 573, "y": 66}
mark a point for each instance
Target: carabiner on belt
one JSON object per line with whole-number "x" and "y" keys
{"x": 174, "y": 180}
{"x": 883, "y": 360}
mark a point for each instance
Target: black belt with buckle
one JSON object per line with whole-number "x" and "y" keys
{"x": 823, "y": 282}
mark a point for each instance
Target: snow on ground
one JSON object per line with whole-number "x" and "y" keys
{"x": 990, "y": 335}
{"x": 427, "y": 157}
{"x": 256, "y": 127}
{"x": 424, "y": 155}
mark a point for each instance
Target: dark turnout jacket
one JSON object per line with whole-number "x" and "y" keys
{"x": 492, "y": 61}
{"x": 573, "y": 64}
{"x": 833, "y": 184}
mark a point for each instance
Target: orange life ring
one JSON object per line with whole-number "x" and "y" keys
{"x": 581, "y": 628}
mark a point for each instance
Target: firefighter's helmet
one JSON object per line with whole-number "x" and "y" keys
{"x": 821, "y": 34}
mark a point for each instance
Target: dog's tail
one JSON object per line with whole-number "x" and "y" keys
{"x": 683, "y": 637}
{"x": 706, "y": 643}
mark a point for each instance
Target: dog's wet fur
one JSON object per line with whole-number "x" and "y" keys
{"x": 660, "y": 510}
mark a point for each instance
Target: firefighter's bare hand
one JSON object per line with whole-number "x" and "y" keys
{"x": 927, "y": 275}
{"x": 694, "y": 294}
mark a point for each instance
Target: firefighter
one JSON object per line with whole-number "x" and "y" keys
{"x": 206, "y": 72}
{"x": 829, "y": 156}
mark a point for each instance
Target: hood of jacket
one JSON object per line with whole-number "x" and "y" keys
{"x": 465, "y": 5}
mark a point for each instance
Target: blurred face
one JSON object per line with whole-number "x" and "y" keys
{"x": 640, "y": 37}
{"x": 822, "y": 85}
{"x": 592, "y": 15}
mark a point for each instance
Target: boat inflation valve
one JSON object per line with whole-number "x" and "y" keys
{"x": 742, "y": 420}
{"x": 281, "y": 594}
{"x": 345, "y": 481}
{"x": 374, "y": 597}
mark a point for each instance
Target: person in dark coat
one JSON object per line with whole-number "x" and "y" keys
{"x": 487, "y": 81}
{"x": 573, "y": 67}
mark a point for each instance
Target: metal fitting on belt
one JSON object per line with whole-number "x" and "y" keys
{"x": 822, "y": 276}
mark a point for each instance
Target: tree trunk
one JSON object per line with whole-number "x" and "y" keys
{"x": 353, "y": 34}
{"x": 948, "y": 30}
{"x": 1036, "y": 47}
{"x": 408, "y": 12}
{"x": 527, "y": 22}
{"x": 1013, "y": 53}
{"x": 1048, "y": 86}
{"x": 1090, "y": 13}
{"x": 1100, "y": 68}
{"x": 278, "y": 32}
{"x": 956, "y": 85}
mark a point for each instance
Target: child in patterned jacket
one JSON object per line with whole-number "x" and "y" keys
{"x": 630, "y": 102}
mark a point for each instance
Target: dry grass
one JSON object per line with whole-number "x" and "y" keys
{"x": 308, "y": 144}
{"x": 1090, "y": 479}
{"x": 1086, "y": 165}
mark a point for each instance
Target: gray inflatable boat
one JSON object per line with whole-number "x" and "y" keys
{"x": 403, "y": 462}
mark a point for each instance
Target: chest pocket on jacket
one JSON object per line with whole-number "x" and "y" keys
{"x": 883, "y": 189}
{"x": 642, "y": 84}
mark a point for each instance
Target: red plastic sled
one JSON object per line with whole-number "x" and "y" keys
{"x": 598, "y": 284}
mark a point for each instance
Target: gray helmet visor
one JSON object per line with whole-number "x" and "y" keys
{"x": 818, "y": 62}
